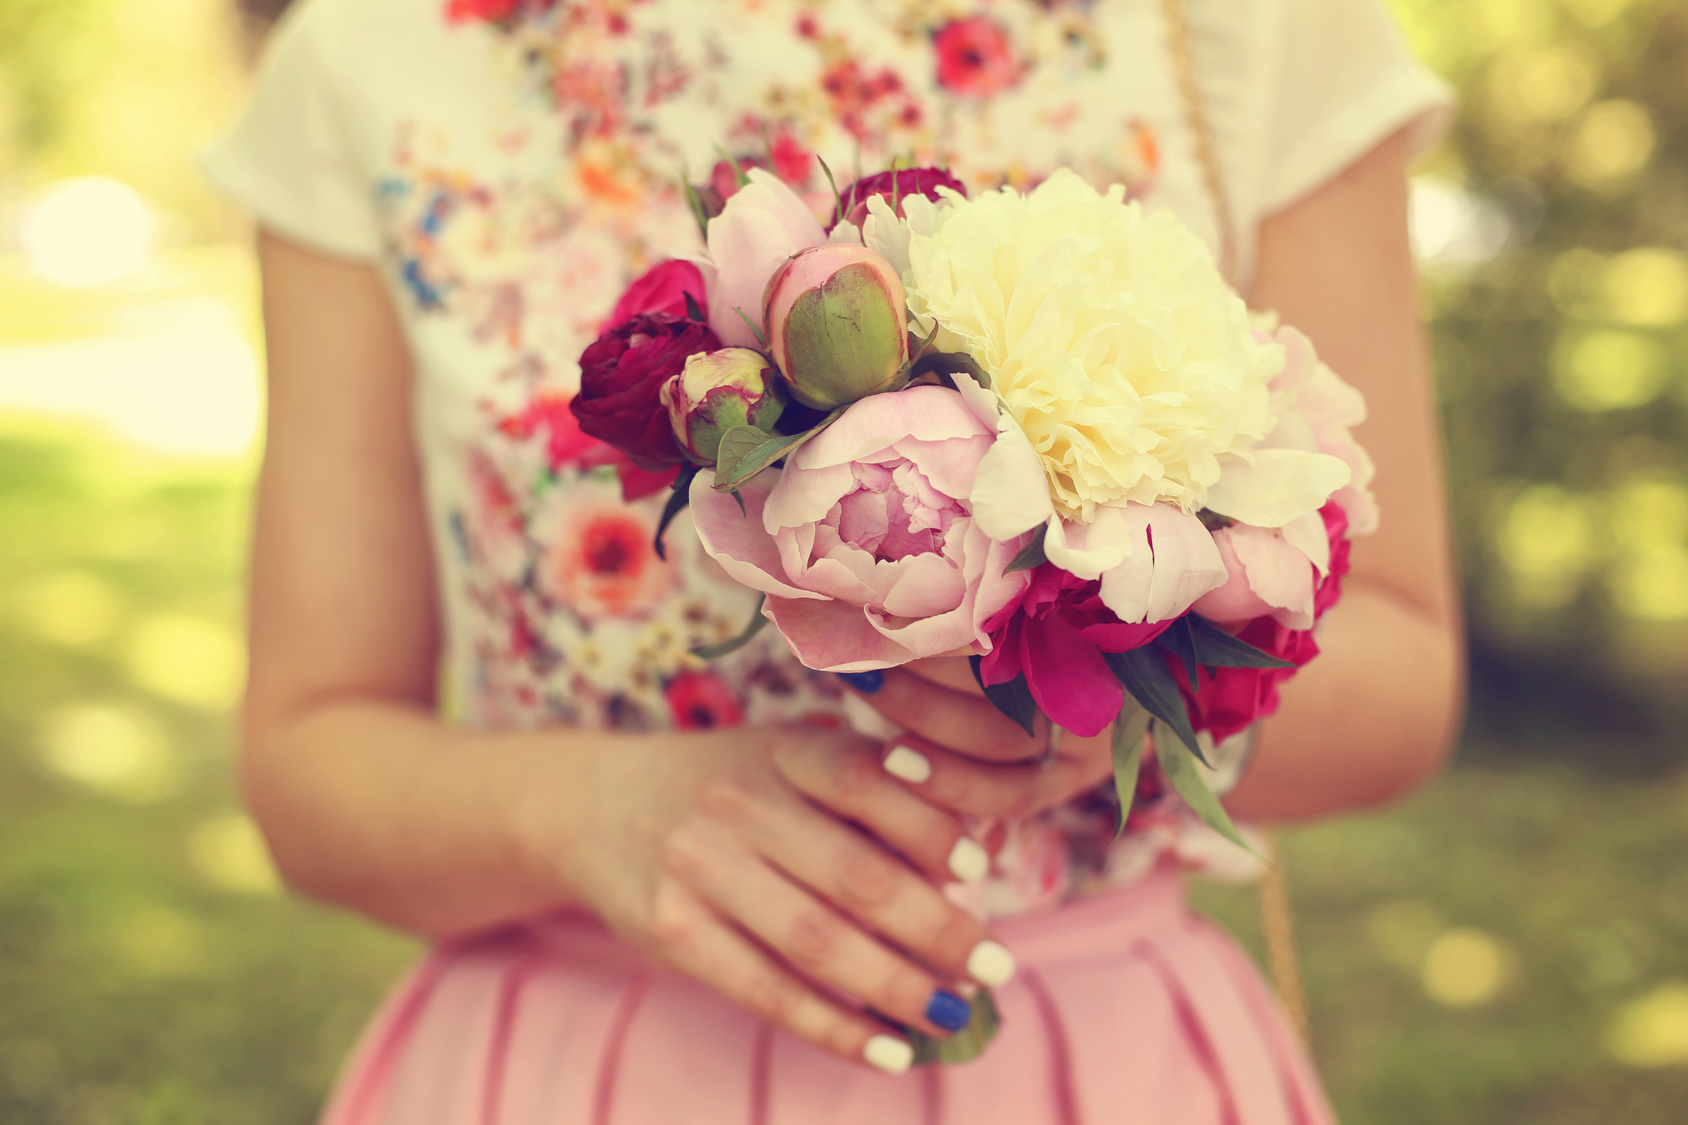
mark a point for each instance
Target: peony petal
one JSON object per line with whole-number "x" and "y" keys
{"x": 1234, "y": 602}
{"x": 923, "y": 586}
{"x": 1280, "y": 574}
{"x": 876, "y": 423}
{"x": 737, "y": 540}
{"x": 1068, "y": 677}
{"x": 1307, "y": 535}
{"x": 1187, "y": 564}
{"x": 1010, "y": 494}
{"x": 762, "y": 225}
{"x": 1275, "y": 485}
{"x": 1089, "y": 550}
{"x": 803, "y": 496}
{"x": 831, "y": 636}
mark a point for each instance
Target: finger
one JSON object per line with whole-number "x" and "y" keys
{"x": 966, "y": 723}
{"x": 694, "y": 940}
{"x": 810, "y": 935}
{"x": 852, "y": 783}
{"x": 854, "y": 872}
{"x": 991, "y": 790}
{"x": 952, "y": 672}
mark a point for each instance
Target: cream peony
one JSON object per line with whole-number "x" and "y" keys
{"x": 1110, "y": 336}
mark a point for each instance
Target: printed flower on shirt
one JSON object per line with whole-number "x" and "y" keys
{"x": 599, "y": 560}
{"x": 702, "y": 701}
{"x": 976, "y": 58}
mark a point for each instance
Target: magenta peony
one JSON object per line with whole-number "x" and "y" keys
{"x": 864, "y": 542}
{"x": 894, "y": 187}
{"x": 621, "y": 378}
{"x": 662, "y": 288}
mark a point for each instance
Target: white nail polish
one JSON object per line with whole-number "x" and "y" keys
{"x": 888, "y": 1053}
{"x": 991, "y": 964}
{"x": 968, "y": 861}
{"x": 910, "y": 765}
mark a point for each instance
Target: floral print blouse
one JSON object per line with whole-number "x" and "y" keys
{"x": 511, "y": 164}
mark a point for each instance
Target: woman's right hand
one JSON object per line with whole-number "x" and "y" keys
{"x": 706, "y": 851}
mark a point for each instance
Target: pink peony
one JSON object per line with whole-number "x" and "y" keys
{"x": 762, "y": 225}
{"x": 1230, "y": 699}
{"x": 864, "y": 542}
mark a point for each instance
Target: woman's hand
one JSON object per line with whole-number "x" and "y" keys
{"x": 706, "y": 851}
{"x": 958, "y": 751}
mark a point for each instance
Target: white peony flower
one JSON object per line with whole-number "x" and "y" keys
{"x": 1112, "y": 340}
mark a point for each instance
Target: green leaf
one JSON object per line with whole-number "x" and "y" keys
{"x": 1129, "y": 729}
{"x": 1218, "y": 649}
{"x": 722, "y": 648}
{"x": 735, "y": 444}
{"x": 1146, "y": 676}
{"x": 699, "y": 211}
{"x": 1013, "y": 698}
{"x": 1178, "y": 642}
{"x": 965, "y": 1045}
{"x": 692, "y": 310}
{"x": 738, "y": 169}
{"x": 1031, "y": 555}
{"x": 770, "y": 449}
{"x": 950, "y": 363}
{"x": 755, "y": 330}
{"x": 677, "y": 501}
{"x": 1178, "y": 765}
{"x": 837, "y": 199}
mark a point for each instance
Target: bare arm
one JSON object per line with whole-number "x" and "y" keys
{"x": 709, "y": 850}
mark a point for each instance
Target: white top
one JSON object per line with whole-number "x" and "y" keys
{"x": 509, "y": 178}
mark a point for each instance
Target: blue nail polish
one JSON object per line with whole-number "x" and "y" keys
{"x": 948, "y": 1010}
{"x": 865, "y": 682}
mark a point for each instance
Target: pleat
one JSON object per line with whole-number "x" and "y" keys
{"x": 807, "y": 1086}
{"x": 1025, "y": 1089}
{"x": 687, "y": 1057}
{"x": 363, "y": 1080}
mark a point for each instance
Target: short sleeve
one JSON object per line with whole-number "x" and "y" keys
{"x": 1345, "y": 80}
{"x": 288, "y": 159}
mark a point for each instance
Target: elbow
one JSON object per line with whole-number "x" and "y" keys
{"x": 1429, "y": 731}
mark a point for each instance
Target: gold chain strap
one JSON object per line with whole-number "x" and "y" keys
{"x": 1195, "y": 112}
{"x": 1277, "y": 921}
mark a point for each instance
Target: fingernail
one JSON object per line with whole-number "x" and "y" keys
{"x": 909, "y": 764}
{"x": 990, "y": 964}
{"x": 865, "y": 682}
{"x": 888, "y": 1053}
{"x": 948, "y": 1010}
{"x": 968, "y": 861}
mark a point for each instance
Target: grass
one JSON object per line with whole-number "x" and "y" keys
{"x": 1490, "y": 952}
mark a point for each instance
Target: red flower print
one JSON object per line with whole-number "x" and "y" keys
{"x": 976, "y": 58}
{"x": 566, "y": 446}
{"x": 702, "y": 701}
{"x": 492, "y": 11}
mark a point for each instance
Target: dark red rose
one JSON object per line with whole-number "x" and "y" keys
{"x": 662, "y": 288}
{"x": 976, "y": 58}
{"x": 702, "y": 701}
{"x": 621, "y": 378}
{"x": 894, "y": 187}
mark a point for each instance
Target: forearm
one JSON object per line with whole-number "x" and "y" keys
{"x": 381, "y": 807}
{"x": 1370, "y": 718}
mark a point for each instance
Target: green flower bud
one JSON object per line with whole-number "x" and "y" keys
{"x": 716, "y": 391}
{"x": 837, "y": 321}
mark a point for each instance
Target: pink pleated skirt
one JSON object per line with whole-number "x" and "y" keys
{"x": 1129, "y": 1009}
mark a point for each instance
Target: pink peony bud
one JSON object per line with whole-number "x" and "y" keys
{"x": 837, "y": 321}
{"x": 716, "y": 391}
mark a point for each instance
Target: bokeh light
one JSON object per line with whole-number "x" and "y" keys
{"x": 187, "y": 660}
{"x": 116, "y": 750}
{"x": 1464, "y": 967}
{"x": 92, "y": 230}
{"x": 1652, "y": 1029}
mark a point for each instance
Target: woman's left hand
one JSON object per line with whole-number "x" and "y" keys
{"x": 959, "y": 752}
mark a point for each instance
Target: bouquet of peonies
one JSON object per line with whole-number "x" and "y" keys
{"x": 1037, "y": 429}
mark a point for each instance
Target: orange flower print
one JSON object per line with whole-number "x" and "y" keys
{"x": 598, "y": 557}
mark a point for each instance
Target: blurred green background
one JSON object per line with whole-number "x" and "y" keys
{"x": 1509, "y": 946}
